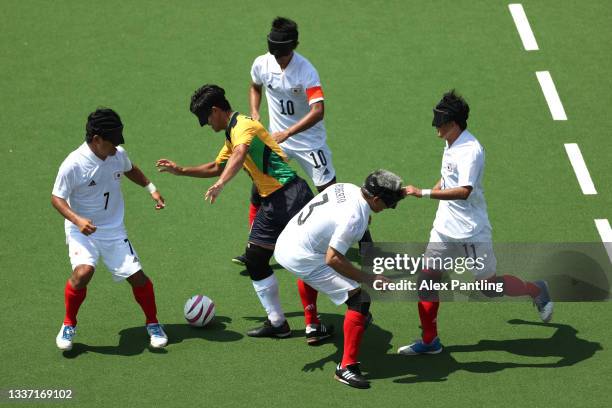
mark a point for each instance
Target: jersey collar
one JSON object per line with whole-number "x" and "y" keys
{"x": 88, "y": 153}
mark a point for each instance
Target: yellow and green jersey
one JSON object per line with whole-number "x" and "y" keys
{"x": 265, "y": 162}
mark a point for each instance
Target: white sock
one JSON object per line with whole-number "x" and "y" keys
{"x": 267, "y": 291}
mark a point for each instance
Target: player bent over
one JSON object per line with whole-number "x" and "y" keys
{"x": 313, "y": 247}
{"x": 87, "y": 192}
{"x": 248, "y": 145}
{"x": 461, "y": 227}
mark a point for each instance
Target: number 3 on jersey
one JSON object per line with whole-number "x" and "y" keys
{"x": 289, "y": 107}
{"x": 302, "y": 218}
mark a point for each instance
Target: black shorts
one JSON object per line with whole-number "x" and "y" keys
{"x": 277, "y": 209}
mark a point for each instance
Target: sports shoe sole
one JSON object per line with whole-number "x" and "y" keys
{"x": 412, "y": 353}
{"x": 314, "y": 340}
{"x": 238, "y": 262}
{"x": 343, "y": 381}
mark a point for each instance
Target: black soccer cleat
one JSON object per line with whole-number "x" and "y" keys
{"x": 351, "y": 375}
{"x": 240, "y": 260}
{"x": 267, "y": 330}
{"x": 321, "y": 333}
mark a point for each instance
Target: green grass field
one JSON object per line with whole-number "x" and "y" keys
{"x": 383, "y": 65}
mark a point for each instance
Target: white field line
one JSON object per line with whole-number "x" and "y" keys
{"x": 523, "y": 27}
{"x": 603, "y": 226}
{"x": 580, "y": 168}
{"x": 551, "y": 95}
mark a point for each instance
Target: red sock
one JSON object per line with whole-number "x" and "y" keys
{"x": 73, "y": 299}
{"x": 513, "y": 286}
{"x": 145, "y": 297}
{"x": 309, "y": 301}
{"x": 252, "y": 213}
{"x": 428, "y": 312}
{"x": 354, "y": 326}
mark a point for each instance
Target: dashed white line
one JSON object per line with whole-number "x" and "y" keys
{"x": 551, "y": 95}
{"x": 603, "y": 226}
{"x": 523, "y": 27}
{"x": 580, "y": 168}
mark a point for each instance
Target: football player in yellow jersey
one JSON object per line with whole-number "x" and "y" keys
{"x": 248, "y": 145}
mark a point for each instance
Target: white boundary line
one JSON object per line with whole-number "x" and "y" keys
{"x": 580, "y": 169}
{"x": 551, "y": 95}
{"x": 603, "y": 226}
{"x": 523, "y": 27}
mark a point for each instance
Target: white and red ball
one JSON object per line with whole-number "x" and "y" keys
{"x": 199, "y": 310}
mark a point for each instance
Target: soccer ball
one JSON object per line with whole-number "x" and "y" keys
{"x": 199, "y": 310}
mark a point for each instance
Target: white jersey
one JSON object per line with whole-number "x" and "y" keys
{"x": 92, "y": 188}
{"x": 463, "y": 165}
{"x": 290, "y": 94}
{"x": 337, "y": 217}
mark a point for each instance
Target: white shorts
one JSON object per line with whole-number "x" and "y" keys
{"x": 478, "y": 248}
{"x": 316, "y": 163}
{"x": 119, "y": 256}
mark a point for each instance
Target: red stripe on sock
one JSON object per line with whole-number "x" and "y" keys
{"x": 145, "y": 296}
{"x": 73, "y": 298}
{"x": 308, "y": 296}
{"x": 428, "y": 313}
{"x": 354, "y": 326}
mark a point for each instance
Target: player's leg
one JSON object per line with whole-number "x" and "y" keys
{"x": 254, "y": 204}
{"x": 438, "y": 249}
{"x": 266, "y": 286}
{"x": 123, "y": 262}
{"x": 275, "y": 212}
{"x": 356, "y": 319}
{"x": 481, "y": 247}
{"x": 83, "y": 258}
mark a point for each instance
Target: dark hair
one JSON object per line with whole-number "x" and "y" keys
{"x": 207, "y": 96}
{"x": 103, "y": 122}
{"x": 458, "y": 107}
{"x": 285, "y": 25}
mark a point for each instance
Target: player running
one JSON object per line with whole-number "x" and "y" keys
{"x": 461, "y": 227}
{"x": 248, "y": 145}
{"x": 87, "y": 192}
{"x": 313, "y": 247}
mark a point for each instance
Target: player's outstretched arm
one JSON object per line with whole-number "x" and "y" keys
{"x": 456, "y": 193}
{"x": 83, "y": 224}
{"x": 232, "y": 167}
{"x": 315, "y": 115}
{"x": 137, "y": 176}
{"x": 205, "y": 170}
{"x": 255, "y": 100}
{"x": 344, "y": 267}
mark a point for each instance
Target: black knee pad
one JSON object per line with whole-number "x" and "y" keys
{"x": 431, "y": 277}
{"x": 359, "y": 302}
{"x": 494, "y": 293}
{"x": 258, "y": 262}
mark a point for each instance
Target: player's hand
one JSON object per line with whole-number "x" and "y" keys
{"x": 160, "y": 203}
{"x": 86, "y": 226}
{"x": 413, "y": 191}
{"x": 280, "y": 137}
{"x": 213, "y": 192}
{"x": 255, "y": 116}
{"x": 167, "y": 166}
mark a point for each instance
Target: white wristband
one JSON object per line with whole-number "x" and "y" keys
{"x": 150, "y": 188}
{"x": 426, "y": 193}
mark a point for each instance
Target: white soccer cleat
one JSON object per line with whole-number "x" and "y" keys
{"x": 159, "y": 339}
{"x": 543, "y": 302}
{"x": 64, "y": 337}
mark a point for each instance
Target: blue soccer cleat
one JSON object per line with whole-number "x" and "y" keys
{"x": 542, "y": 302}
{"x": 159, "y": 339}
{"x": 419, "y": 347}
{"x": 64, "y": 337}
